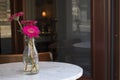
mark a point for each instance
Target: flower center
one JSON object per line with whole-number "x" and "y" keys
{"x": 30, "y": 30}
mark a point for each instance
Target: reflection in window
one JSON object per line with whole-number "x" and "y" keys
{"x": 81, "y": 32}
{"x": 73, "y": 33}
{"x": 5, "y": 26}
{"x": 81, "y": 18}
{"x": 4, "y": 23}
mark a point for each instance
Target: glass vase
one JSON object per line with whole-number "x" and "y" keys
{"x": 30, "y": 57}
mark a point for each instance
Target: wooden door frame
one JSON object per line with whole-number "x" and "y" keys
{"x": 17, "y": 37}
{"x": 116, "y": 18}
{"x": 100, "y": 15}
{"x": 119, "y": 43}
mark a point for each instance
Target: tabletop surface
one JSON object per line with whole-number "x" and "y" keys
{"x": 48, "y": 71}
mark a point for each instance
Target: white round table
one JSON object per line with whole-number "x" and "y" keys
{"x": 48, "y": 71}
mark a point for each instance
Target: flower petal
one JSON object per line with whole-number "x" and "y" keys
{"x": 31, "y": 31}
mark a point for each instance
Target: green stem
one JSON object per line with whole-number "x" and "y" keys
{"x": 33, "y": 62}
{"x": 26, "y": 66}
{"x": 34, "y": 65}
{"x": 19, "y": 24}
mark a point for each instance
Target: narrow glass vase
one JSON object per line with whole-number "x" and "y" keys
{"x": 30, "y": 57}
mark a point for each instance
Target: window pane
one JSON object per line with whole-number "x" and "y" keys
{"x": 5, "y": 26}
{"x": 73, "y": 33}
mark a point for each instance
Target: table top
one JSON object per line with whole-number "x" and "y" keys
{"x": 48, "y": 71}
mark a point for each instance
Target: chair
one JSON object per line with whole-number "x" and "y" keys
{"x": 43, "y": 56}
{"x": 10, "y": 58}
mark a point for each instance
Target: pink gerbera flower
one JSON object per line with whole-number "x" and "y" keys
{"x": 28, "y": 22}
{"x": 16, "y": 16}
{"x": 31, "y": 31}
